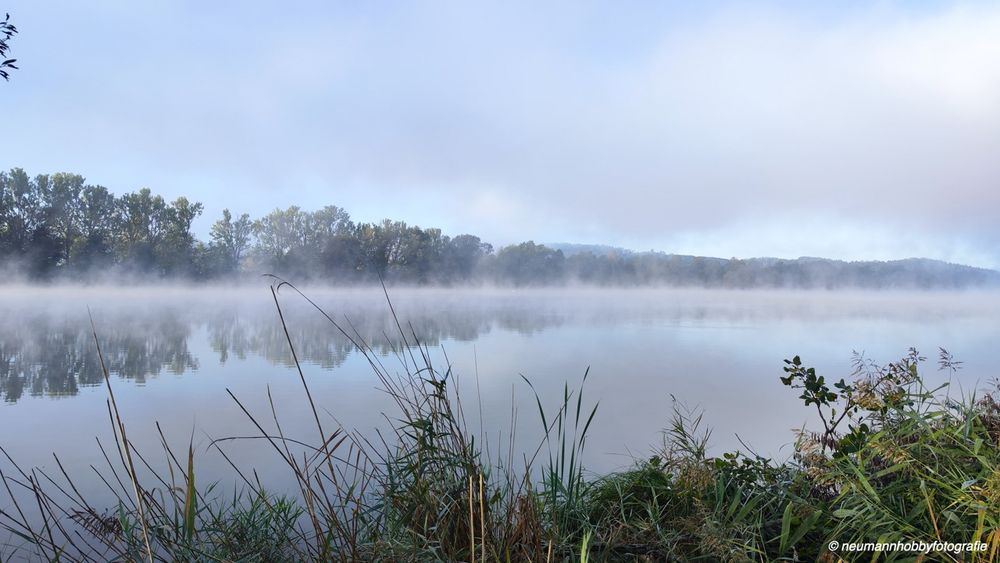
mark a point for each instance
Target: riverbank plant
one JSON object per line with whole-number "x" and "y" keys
{"x": 890, "y": 459}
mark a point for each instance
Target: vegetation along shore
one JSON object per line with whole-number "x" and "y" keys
{"x": 888, "y": 460}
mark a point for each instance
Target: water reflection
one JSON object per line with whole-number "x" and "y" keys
{"x": 47, "y": 348}
{"x": 40, "y": 356}
{"x": 53, "y": 353}
{"x": 720, "y": 351}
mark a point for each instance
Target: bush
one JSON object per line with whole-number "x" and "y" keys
{"x": 894, "y": 460}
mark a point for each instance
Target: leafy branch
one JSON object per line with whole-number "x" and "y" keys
{"x": 7, "y": 31}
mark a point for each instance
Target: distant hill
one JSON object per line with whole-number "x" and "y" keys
{"x": 569, "y": 249}
{"x": 613, "y": 265}
{"x": 60, "y": 228}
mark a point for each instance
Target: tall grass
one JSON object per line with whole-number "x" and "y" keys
{"x": 893, "y": 460}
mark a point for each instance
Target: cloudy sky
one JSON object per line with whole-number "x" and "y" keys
{"x": 842, "y": 129}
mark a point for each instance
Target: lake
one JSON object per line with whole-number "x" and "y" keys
{"x": 173, "y": 352}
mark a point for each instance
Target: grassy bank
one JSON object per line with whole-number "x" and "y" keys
{"x": 889, "y": 459}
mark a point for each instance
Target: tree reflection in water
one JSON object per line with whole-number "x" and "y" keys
{"x": 52, "y": 353}
{"x": 40, "y": 355}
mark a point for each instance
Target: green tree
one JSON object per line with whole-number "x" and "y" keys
{"x": 20, "y": 212}
{"x": 142, "y": 218}
{"x": 529, "y": 264}
{"x": 174, "y": 252}
{"x": 94, "y": 245}
{"x": 320, "y": 226}
{"x": 280, "y": 234}
{"x": 343, "y": 258}
{"x": 61, "y": 194}
{"x": 232, "y": 238}
{"x": 419, "y": 254}
{"x": 462, "y": 255}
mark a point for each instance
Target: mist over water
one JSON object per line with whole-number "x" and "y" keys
{"x": 174, "y": 351}
{"x": 499, "y": 219}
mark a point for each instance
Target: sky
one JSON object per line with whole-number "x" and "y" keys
{"x": 852, "y": 130}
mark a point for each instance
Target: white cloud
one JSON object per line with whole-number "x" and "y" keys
{"x": 644, "y": 125}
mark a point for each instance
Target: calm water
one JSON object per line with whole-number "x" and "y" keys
{"x": 174, "y": 352}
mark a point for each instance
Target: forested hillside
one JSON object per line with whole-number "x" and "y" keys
{"x": 60, "y": 227}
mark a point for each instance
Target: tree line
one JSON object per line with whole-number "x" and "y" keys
{"x": 58, "y": 226}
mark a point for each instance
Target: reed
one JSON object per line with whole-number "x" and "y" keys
{"x": 894, "y": 460}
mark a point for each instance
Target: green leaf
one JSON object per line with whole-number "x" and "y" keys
{"x": 191, "y": 500}
{"x": 786, "y": 528}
